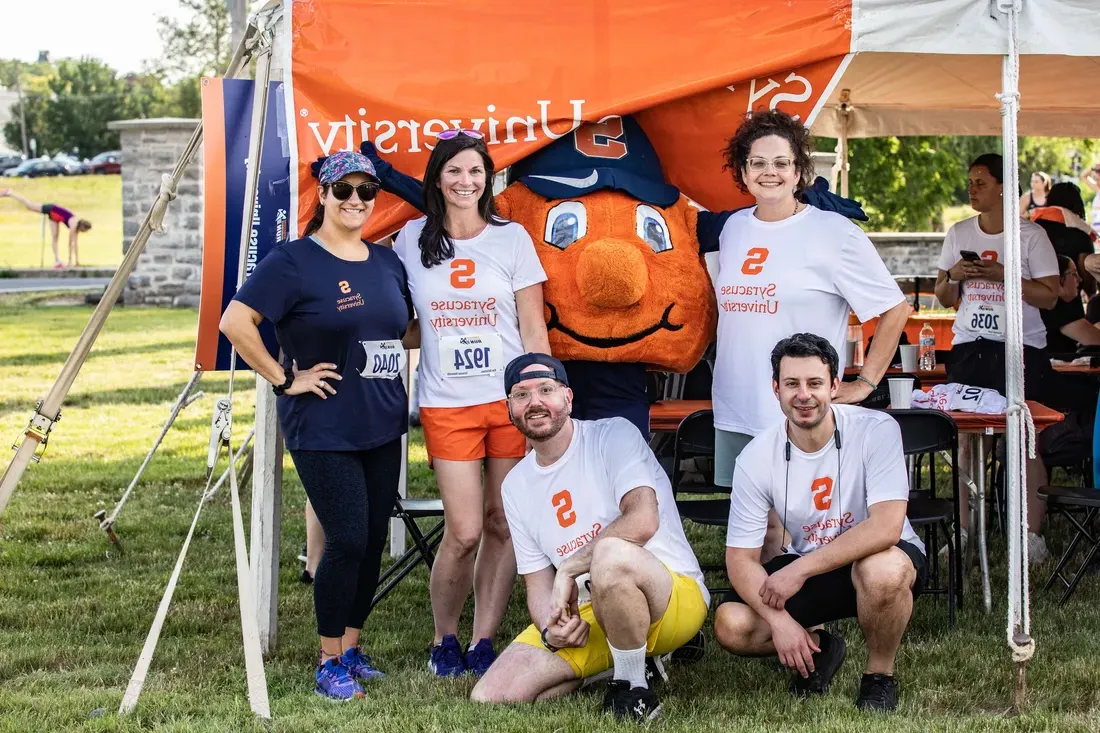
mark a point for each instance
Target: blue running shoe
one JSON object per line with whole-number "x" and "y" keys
{"x": 446, "y": 659}
{"x": 335, "y": 682}
{"x": 360, "y": 665}
{"x": 480, "y": 657}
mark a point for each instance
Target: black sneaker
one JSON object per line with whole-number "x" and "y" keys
{"x": 877, "y": 692}
{"x": 655, "y": 671}
{"x": 636, "y": 704}
{"x": 692, "y": 651}
{"x": 826, "y": 663}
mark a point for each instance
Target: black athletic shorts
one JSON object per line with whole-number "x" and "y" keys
{"x": 981, "y": 363}
{"x": 832, "y": 595}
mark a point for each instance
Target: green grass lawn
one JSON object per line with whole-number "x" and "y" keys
{"x": 74, "y": 615}
{"x": 95, "y": 198}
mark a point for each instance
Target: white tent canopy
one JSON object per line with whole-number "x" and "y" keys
{"x": 920, "y": 94}
{"x": 933, "y": 68}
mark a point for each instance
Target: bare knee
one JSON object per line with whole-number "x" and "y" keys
{"x": 884, "y": 576}
{"x": 496, "y": 524}
{"x": 612, "y": 561}
{"x": 737, "y": 627}
{"x": 462, "y": 538}
{"x": 486, "y": 691}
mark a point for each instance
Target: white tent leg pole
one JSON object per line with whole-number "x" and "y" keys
{"x": 397, "y": 527}
{"x": 1020, "y": 429}
{"x": 250, "y": 633}
{"x": 267, "y": 514}
{"x": 49, "y": 410}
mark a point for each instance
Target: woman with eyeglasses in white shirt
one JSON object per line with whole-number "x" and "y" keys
{"x": 787, "y": 268}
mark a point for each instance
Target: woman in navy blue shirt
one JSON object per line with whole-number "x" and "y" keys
{"x": 341, "y": 311}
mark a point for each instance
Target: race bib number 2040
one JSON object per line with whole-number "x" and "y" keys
{"x": 471, "y": 356}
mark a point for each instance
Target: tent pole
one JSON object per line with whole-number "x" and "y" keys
{"x": 843, "y": 111}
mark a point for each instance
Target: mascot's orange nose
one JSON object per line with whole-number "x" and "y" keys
{"x": 611, "y": 274}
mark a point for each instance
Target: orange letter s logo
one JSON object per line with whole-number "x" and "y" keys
{"x": 754, "y": 261}
{"x": 822, "y": 489}
{"x": 462, "y": 274}
{"x": 563, "y": 502}
{"x": 345, "y": 287}
{"x": 600, "y": 139}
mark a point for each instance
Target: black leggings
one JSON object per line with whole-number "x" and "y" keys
{"x": 353, "y": 494}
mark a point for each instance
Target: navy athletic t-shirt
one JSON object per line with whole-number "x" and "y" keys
{"x": 352, "y": 314}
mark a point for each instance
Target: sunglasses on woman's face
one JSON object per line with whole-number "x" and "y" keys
{"x": 342, "y": 190}
{"x": 449, "y": 134}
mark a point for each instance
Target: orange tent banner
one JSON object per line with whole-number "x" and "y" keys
{"x": 524, "y": 74}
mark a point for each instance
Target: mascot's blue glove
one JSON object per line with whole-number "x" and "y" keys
{"x": 407, "y": 188}
{"x": 819, "y": 196}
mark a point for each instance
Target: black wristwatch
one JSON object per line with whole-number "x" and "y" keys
{"x": 547, "y": 644}
{"x": 280, "y": 388}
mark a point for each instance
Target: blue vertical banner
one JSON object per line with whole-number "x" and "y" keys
{"x": 227, "y": 127}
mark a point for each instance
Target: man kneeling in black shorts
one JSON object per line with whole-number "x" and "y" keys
{"x": 835, "y": 475}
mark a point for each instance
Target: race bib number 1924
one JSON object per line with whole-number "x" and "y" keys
{"x": 471, "y": 356}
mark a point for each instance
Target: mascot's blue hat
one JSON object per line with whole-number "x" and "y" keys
{"x": 613, "y": 153}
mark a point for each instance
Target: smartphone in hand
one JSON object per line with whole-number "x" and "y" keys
{"x": 970, "y": 256}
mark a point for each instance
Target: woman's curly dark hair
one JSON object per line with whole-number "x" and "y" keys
{"x": 764, "y": 123}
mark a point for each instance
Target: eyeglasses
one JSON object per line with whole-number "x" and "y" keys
{"x": 449, "y": 134}
{"x": 342, "y": 190}
{"x": 523, "y": 396}
{"x": 759, "y": 165}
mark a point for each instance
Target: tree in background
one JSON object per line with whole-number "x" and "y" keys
{"x": 196, "y": 47}
{"x": 35, "y": 79}
{"x": 906, "y": 183}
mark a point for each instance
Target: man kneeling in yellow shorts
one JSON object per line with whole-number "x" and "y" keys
{"x": 590, "y": 498}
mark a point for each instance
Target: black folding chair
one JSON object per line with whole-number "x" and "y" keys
{"x": 927, "y": 433}
{"x": 695, "y": 440}
{"x": 424, "y": 544}
{"x": 1069, "y": 502}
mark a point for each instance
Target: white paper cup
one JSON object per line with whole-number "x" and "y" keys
{"x": 901, "y": 392}
{"x": 909, "y": 357}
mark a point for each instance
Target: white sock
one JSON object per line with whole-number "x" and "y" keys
{"x": 630, "y": 665}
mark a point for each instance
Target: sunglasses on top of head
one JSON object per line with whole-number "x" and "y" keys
{"x": 342, "y": 190}
{"x": 450, "y": 134}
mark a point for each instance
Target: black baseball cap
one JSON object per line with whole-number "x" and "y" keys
{"x": 554, "y": 370}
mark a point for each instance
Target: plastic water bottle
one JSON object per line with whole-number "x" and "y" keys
{"x": 927, "y": 353}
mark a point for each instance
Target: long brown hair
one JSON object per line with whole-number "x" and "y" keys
{"x": 436, "y": 245}
{"x": 318, "y": 217}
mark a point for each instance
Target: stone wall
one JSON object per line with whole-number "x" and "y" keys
{"x": 168, "y": 272}
{"x": 910, "y": 254}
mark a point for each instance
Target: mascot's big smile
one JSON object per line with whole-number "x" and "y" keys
{"x": 608, "y": 342}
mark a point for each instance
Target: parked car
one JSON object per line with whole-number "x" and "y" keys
{"x": 69, "y": 165}
{"x": 7, "y": 162}
{"x": 107, "y": 162}
{"x": 21, "y": 169}
{"x": 44, "y": 168}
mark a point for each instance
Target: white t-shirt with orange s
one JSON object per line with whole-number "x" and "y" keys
{"x": 982, "y": 302}
{"x": 805, "y": 273}
{"x": 469, "y": 322}
{"x": 554, "y": 511}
